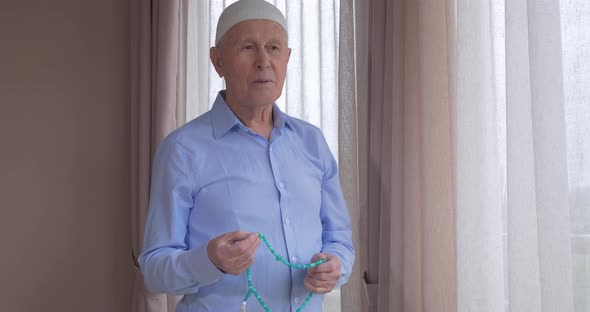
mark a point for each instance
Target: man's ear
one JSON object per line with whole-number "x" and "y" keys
{"x": 215, "y": 56}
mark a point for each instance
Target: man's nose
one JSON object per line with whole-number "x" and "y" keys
{"x": 262, "y": 59}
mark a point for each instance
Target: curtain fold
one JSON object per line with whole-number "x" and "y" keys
{"x": 154, "y": 83}
{"x": 477, "y": 168}
{"x": 539, "y": 250}
{"x": 439, "y": 166}
{"x": 348, "y": 153}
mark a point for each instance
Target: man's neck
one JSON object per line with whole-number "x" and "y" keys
{"x": 258, "y": 118}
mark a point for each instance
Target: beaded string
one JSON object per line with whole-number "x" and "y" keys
{"x": 252, "y": 290}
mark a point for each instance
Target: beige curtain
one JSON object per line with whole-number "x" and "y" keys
{"x": 154, "y": 69}
{"x": 442, "y": 146}
{"x": 348, "y": 139}
{"x": 407, "y": 216}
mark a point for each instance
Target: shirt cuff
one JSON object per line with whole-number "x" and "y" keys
{"x": 343, "y": 277}
{"x": 201, "y": 270}
{"x": 343, "y": 270}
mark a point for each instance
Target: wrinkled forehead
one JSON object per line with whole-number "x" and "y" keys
{"x": 255, "y": 30}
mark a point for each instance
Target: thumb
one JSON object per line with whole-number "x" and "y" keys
{"x": 318, "y": 256}
{"x": 235, "y": 236}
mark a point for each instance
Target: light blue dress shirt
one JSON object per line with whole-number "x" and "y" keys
{"x": 215, "y": 175}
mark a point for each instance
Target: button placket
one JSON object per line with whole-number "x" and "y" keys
{"x": 288, "y": 230}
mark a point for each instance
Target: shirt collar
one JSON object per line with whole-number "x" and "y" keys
{"x": 280, "y": 119}
{"x": 223, "y": 119}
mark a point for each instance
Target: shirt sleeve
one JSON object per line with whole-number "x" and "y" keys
{"x": 336, "y": 229}
{"x": 168, "y": 263}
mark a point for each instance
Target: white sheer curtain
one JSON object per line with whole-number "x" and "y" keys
{"x": 575, "y": 28}
{"x": 478, "y": 122}
{"x": 558, "y": 40}
{"x": 539, "y": 250}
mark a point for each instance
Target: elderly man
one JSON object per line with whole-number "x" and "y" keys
{"x": 241, "y": 169}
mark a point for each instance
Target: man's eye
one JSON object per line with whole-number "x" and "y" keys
{"x": 248, "y": 47}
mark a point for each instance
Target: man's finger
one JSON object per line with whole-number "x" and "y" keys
{"x": 239, "y": 264}
{"x": 318, "y": 287}
{"x": 248, "y": 241}
{"x": 319, "y": 256}
{"x": 324, "y": 276}
{"x": 244, "y": 250}
{"x": 326, "y": 267}
{"x": 242, "y": 246}
{"x": 333, "y": 264}
{"x": 236, "y": 236}
{"x": 233, "y": 250}
{"x": 318, "y": 282}
{"x": 241, "y": 254}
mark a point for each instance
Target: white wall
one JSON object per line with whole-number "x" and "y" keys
{"x": 64, "y": 153}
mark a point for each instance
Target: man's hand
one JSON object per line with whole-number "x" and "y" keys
{"x": 323, "y": 278}
{"x": 233, "y": 252}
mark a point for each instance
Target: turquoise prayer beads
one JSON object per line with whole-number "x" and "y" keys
{"x": 252, "y": 290}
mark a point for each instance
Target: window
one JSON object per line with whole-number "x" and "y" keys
{"x": 575, "y": 22}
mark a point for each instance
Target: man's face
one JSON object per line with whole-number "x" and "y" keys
{"x": 252, "y": 56}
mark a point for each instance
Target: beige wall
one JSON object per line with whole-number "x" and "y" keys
{"x": 64, "y": 150}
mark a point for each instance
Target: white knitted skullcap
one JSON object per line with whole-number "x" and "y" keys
{"x": 244, "y": 10}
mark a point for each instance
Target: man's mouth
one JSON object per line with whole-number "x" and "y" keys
{"x": 262, "y": 81}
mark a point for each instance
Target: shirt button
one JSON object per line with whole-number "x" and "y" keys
{"x": 281, "y": 185}
{"x": 293, "y": 259}
{"x": 296, "y": 299}
{"x": 287, "y": 221}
